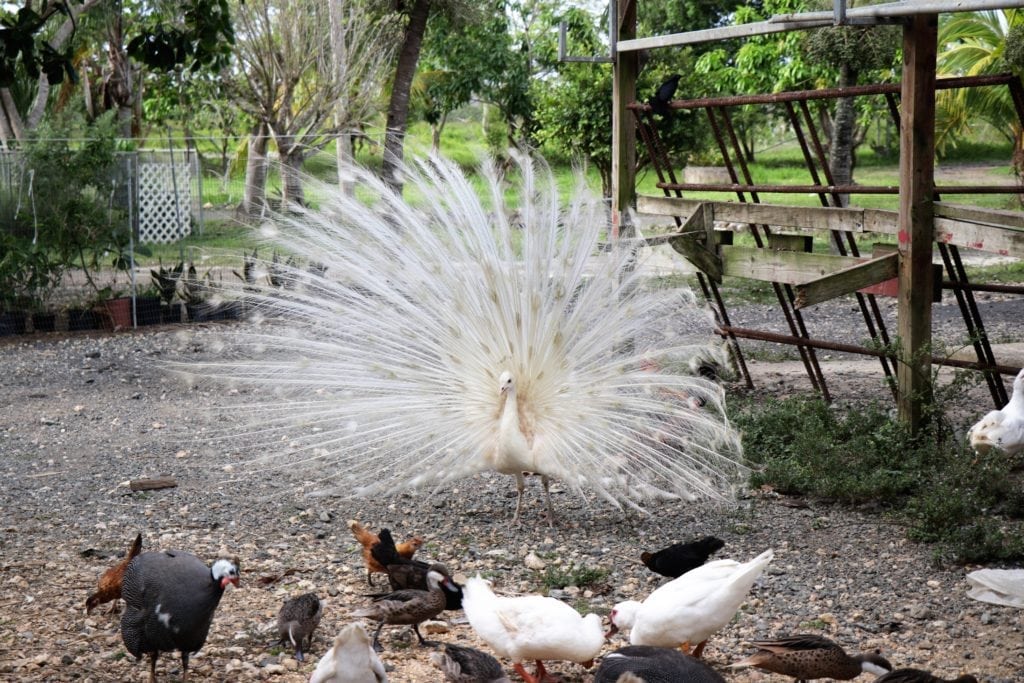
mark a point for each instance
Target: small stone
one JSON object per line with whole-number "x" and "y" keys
{"x": 290, "y": 664}
{"x": 987, "y": 618}
{"x": 325, "y": 517}
{"x": 274, "y": 669}
{"x": 434, "y": 627}
{"x": 533, "y": 562}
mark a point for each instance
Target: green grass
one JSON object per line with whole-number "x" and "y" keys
{"x": 573, "y": 575}
{"x": 971, "y": 509}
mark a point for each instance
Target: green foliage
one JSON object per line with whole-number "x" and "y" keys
{"x": 573, "y": 575}
{"x": 78, "y": 225}
{"x": 971, "y": 509}
{"x": 194, "y": 34}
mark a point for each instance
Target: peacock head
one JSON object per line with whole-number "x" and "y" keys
{"x": 505, "y": 382}
{"x": 225, "y": 571}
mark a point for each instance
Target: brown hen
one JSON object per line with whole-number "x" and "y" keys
{"x": 108, "y": 588}
{"x": 368, "y": 539}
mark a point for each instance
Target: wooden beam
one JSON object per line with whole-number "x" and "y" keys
{"x": 624, "y": 72}
{"x": 695, "y": 241}
{"x": 1007, "y": 220}
{"x": 806, "y": 217}
{"x": 787, "y": 267}
{"x": 847, "y": 280}
{"x": 916, "y": 219}
{"x": 1001, "y": 240}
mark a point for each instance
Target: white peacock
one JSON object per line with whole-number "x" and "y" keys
{"x": 416, "y": 342}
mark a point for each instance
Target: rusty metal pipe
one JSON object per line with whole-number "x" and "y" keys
{"x": 828, "y": 93}
{"x": 789, "y": 340}
{"x": 837, "y": 189}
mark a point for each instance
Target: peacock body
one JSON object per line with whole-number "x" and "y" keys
{"x": 411, "y": 343}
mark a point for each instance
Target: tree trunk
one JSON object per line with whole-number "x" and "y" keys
{"x": 843, "y": 124}
{"x": 398, "y": 107}
{"x": 254, "y": 202}
{"x": 345, "y": 155}
{"x": 291, "y": 172}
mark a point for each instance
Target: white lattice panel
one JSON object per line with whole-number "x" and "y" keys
{"x": 158, "y": 215}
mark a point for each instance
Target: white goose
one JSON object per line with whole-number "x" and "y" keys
{"x": 531, "y": 627}
{"x": 1002, "y": 430}
{"x": 688, "y": 610}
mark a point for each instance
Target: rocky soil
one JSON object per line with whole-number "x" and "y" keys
{"x": 81, "y": 415}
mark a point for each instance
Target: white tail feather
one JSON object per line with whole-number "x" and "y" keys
{"x": 383, "y": 367}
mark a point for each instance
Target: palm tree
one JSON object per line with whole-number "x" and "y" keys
{"x": 972, "y": 44}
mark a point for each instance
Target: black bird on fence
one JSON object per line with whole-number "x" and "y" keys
{"x": 659, "y": 101}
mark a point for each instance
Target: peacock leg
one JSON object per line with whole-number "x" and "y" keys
{"x": 520, "y": 485}
{"x": 519, "y": 669}
{"x": 547, "y": 495}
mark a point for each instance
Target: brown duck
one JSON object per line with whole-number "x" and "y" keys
{"x": 408, "y": 607}
{"x": 919, "y": 676}
{"x": 806, "y": 657}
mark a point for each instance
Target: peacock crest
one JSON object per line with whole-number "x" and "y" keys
{"x": 380, "y": 368}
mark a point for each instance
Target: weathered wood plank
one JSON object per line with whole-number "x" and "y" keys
{"x": 1005, "y": 241}
{"x": 694, "y": 242}
{"x": 781, "y": 242}
{"x": 997, "y": 218}
{"x": 152, "y": 483}
{"x": 789, "y": 267}
{"x": 805, "y": 217}
{"x": 848, "y": 280}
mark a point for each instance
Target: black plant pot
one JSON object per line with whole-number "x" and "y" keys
{"x": 147, "y": 310}
{"x": 44, "y": 322}
{"x": 79, "y": 319}
{"x": 173, "y": 313}
{"x": 12, "y": 322}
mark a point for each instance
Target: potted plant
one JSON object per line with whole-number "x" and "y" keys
{"x": 166, "y": 281}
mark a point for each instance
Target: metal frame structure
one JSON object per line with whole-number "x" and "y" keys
{"x": 915, "y": 224}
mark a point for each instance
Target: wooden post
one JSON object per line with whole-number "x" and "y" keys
{"x": 624, "y": 70}
{"x": 916, "y": 218}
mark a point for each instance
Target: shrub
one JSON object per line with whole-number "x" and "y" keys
{"x": 971, "y": 509}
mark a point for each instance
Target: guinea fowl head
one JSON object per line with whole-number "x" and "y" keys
{"x": 224, "y": 572}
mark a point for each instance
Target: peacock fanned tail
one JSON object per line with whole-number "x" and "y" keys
{"x": 374, "y": 353}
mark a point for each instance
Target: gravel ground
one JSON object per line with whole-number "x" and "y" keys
{"x": 83, "y": 414}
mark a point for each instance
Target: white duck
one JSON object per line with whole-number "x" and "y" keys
{"x": 531, "y": 627}
{"x": 1002, "y": 429}
{"x": 688, "y": 610}
{"x": 350, "y": 660}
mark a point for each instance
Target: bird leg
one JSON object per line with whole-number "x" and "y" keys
{"x": 547, "y": 495}
{"x": 685, "y": 647}
{"x": 519, "y": 669}
{"x": 376, "y": 638}
{"x": 699, "y": 650}
{"x": 520, "y": 485}
{"x": 152, "y": 666}
{"x": 369, "y": 577}
{"x": 184, "y": 667}
{"x": 423, "y": 643}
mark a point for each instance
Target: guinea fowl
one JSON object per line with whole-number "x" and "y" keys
{"x": 445, "y": 339}
{"x": 170, "y": 597}
{"x": 350, "y": 660}
{"x": 807, "y": 656}
{"x": 679, "y": 558}
{"x": 688, "y": 610}
{"x": 466, "y": 665}
{"x": 407, "y": 573}
{"x": 1002, "y": 430}
{"x": 919, "y": 676}
{"x": 298, "y": 619}
{"x": 654, "y": 665}
{"x": 108, "y": 588}
{"x": 408, "y": 607}
{"x": 531, "y": 627}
